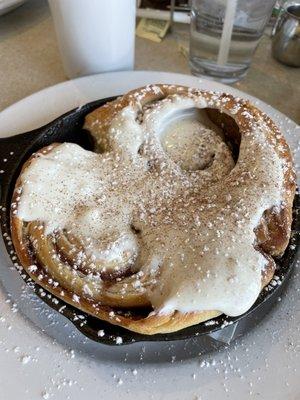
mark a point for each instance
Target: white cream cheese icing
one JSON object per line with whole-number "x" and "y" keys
{"x": 193, "y": 228}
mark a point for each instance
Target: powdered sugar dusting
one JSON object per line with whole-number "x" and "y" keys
{"x": 137, "y": 206}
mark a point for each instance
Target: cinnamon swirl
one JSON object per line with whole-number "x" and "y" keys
{"x": 174, "y": 219}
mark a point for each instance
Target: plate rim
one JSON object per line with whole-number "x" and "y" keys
{"x": 267, "y": 108}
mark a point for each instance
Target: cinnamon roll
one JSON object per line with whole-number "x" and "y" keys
{"x": 174, "y": 219}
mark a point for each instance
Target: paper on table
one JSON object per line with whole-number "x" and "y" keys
{"x": 152, "y": 29}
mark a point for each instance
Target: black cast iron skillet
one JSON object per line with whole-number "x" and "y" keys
{"x": 15, "y": 150}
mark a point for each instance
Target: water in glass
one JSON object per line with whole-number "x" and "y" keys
{"x": 207, "y": 22}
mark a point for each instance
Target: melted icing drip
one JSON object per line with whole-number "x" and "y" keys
{"x": 189, "y": 143}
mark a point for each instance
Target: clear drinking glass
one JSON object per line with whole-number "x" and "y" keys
{"x": 224, "y": 36}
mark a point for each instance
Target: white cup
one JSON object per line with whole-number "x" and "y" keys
{"x": 95, "y": 35}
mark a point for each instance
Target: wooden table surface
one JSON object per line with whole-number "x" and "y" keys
{"x": 30, "y": 61}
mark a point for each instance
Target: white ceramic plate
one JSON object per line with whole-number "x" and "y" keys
{"x": 43, "y": 356}
{"x": 9, "y": 5}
